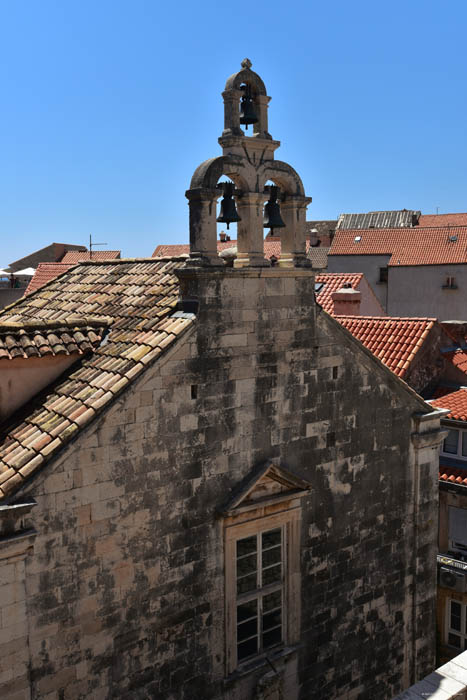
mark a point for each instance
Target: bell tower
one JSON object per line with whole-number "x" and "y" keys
{"x": 248, "y": 161}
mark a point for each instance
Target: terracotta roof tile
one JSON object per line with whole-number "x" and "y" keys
{"x": 137, "y": 300}
{"x": 453, "y": 475}
{"x": 36, "y": 338}
{"x": 443, "y": 219}
{"x": 333, "y": 281}
{"x": 271, "y": 248}
{"x": 391, "y": 340}
{"x": 405, "y": 246}
{"x": 456, "y": 402}
{"x": 72, "y": 257}
{"x": 44, "y": 273}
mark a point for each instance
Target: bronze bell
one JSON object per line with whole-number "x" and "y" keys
{"x": 247, "y": 110}
{"x": 272, "y": 212}
{"x": 228, "y": 214}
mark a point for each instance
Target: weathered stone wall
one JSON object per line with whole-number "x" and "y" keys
{"x": 125, "y": 590}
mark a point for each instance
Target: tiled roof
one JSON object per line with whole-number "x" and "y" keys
{"x": 140, "y": 296}
{"x": 456, "y": 402}
{"x": 333, "y": 281}
{"x": 42, "y": 338}
{"x": 458, "y": 358}
{"x": 271, "y": 247}
{"x": 44, "y": 273}
{"x": 379, "y": 219}
{"x": 318, "y": 256}
{"x": 394, "y": 341}
{"x": 75, "y": 256}
{"x": 443, "y": 220}
{"x": 453, "y": 475}
{"x": 406, "y": 246}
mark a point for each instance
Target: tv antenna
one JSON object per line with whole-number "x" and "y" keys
{"x": 91, "y": 245}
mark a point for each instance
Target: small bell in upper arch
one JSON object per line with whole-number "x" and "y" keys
{"x": 272, "y": 213}
{"x": 228, "y": 213}
{"x": 247, "y": 110}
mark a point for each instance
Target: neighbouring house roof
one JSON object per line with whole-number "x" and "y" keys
{"x": 332, "y": 281}
{"x": 44, "y": 338}
{"x": 271, "y": 247}
{"x": 453, "y": 475}
{"x": 403, "y": 218}
{"x": 140, "y": 297}
{"x": 44, "y": 273}
{"x": 318, "y": 257}
{"x": 443, "y": 220}
{"x": 456, "y": 402}
{"x": 75, "y": 256}
{"x": 51, "y": 253}
{"x": 405, "y": 246}
{"x": 394, "y": 341}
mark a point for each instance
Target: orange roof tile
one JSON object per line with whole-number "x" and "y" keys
{"x": 75, "y": 256}
{"x": 405, "y": 246}
{"x": 44, "y": 273}
{"x": 271, "y": 247}
{"x": 137, "y": 300}
{"x": 333, "y": 281}
{"x": 394, "y": 341}
{"x": 443, "y": 220}
{"x": 456, "y": 402}
{"x": 453, "y": 475}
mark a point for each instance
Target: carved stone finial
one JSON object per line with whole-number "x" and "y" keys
{"x": 246, "y": 63}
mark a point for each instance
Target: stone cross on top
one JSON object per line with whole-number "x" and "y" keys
{"x": 248, "y": 161}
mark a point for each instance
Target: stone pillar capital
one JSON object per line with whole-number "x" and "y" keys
{"x": 202, "y": 194}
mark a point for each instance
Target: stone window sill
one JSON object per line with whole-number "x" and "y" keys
{"x": 278, "y": 655}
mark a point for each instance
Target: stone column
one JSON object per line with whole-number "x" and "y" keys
{"x": 250, "y": 246}
{"x": 232, "y": 113}
{"x": 293, "y": 237}
{"x": 260, "y": 129}
{"x": 203, "y": 227}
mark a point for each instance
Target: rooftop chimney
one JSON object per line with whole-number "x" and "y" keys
{"x": 346, "y": 301}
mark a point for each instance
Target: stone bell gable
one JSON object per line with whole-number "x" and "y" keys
{"x": 249, "y": 162}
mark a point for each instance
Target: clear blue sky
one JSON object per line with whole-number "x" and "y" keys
{"x": 108, "y": 107}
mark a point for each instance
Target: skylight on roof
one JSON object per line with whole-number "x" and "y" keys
{"x": 357, "y": 239}
{"x": 319, "y": 286}
{"x": 452, "y": 239}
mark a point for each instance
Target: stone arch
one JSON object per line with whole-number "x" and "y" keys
{"x": 206, "y": 175}
{"x": 250, "y": 78}
{"x": 283, "y": 175}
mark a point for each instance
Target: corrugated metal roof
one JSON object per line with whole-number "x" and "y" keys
{"x": 405, "y": 218}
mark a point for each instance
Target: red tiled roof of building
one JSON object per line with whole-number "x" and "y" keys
{"x": 458, "y": 358}
{"x": 44, "y": 273}
{"x": 456, "y": 402}
{"x": 332, "y": 282}
{"x": 443, "y": 220}
{"x": 453, "y": 475}
{"x": 406, "y": 246}
{"x": 137, "y": 301}
{"x": 75, "y": 256}
{"x": 394, "y": 341}
{"x": 271, "y": 247}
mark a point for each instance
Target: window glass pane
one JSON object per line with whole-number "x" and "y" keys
{"x": 246, "y": 546}
{"x": 246, "y": 649}
{"x": 246, "y": 565}
{"x": 245, "y": 584}
{"x": 272, "y": 600}
{"x": 454, "y": 641}
{"x": 272, "y": 619}
{"x": 271, "y": 538}
{"x": 247, "y": 629}
{"x": 450, "y": 443}
{"x": 464, "y": 444}
{"x": 455, "y": 616}
{"x": 272, "y": 637}
{"x": 272, "y": 575}
{"x": 247, "y": 610}
{"x": 271, "y": 556}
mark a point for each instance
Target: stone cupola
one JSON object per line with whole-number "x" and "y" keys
{"x": 248, "y": 161}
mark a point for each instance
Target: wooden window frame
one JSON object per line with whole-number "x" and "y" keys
{"x": 253, "y": 522}
{"x": 462, "y": 633}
